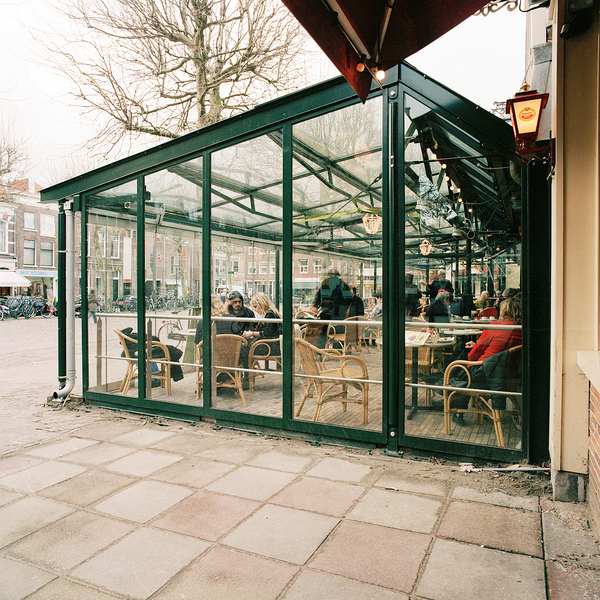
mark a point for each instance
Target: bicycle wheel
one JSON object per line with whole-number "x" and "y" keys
{"x": 46, "y": 312}
{"x": 170, "y": 333}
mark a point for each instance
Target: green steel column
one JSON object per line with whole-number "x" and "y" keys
{"x": 288, "y": 332}
{"x": 61, "y": 293}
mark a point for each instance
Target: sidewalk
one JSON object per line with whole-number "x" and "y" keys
{"x": 134, "y": 507}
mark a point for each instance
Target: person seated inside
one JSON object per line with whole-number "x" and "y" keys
{"x": 377, "y": 310}
{"x": 439, "y": 310}
{"x": 263, "y": 307}
{"x": 483, "y": 301}
{"x": 439, "y": 284}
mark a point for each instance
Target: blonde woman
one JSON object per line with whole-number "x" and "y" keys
{"x": 217, "y": 309}
{"x": 261, "y": 304}
{"x": 483, "y": 301}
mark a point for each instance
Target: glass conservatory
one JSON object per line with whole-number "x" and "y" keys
{"x": 277, "y": 271}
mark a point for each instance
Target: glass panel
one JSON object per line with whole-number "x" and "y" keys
{"x": 112, "y": 291}
{"x": 246, "y": 213}
{"x": 462, "y": 241}
{"x": 337, "y": 267}
{"x": 173, "y": 279}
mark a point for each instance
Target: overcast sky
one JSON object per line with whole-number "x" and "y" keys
{"x": 483, "y": 59}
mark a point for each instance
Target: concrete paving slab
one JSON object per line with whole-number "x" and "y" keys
{"x": 456, "y": 570}
{"x": 232, "y": 452}
{"x": 281, "y": 462}
{"x": 87, "y": 488}
{"x": 206, "y": 515}
{"x": 398, "y": 510}
{"x": 494, "y": 527}
{"x": 226, "y": 574}
{"x": 17, "y": 462}
{"x": 141, "y": 437}
{"x": 153, "y": 556}
{"x": 17, "y": 580}
{"x": 395, "y": 482}
{"x": 194, "y": 472}
{"x": 107, "y": 430}
{"x": 324, "y": 586}
{"x": 373, "y": 554}
{"x": 143, "y": 501}
{"x": 338, "y": 469}
{"x": 561, "y": 540}
{"x": 497, "y": 498}
{"x": 143, "y": 462}
{"x": 188, "y": 443}
{"x": 61, "y": 589}
{"x": 41, "y": 476}
{"x": 252, "y": 483}
{"x": 61, "y": 448}
{"x": 568, "y": 583}
{"x": 68, "y": 542}
{"x": 98, "y": 454}
{"x": 282, "y": 533}
{"x": 319, "y": 495}
{"x": 7, "y": 496}
{"x": 28, "y": 515}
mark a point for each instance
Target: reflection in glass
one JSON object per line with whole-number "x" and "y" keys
{"x": 337, "y": 268}
{"x": 462, "y": 238}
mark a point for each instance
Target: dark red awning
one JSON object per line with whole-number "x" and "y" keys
{"x": 381, "y": 32}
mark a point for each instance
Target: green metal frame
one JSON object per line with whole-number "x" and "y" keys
{"x": 277, "y": 118}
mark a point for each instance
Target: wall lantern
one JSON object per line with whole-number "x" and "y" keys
{"x": 425, "y": 247}
{"x": 372, "y": 223}
{"x": 525, "y": 110}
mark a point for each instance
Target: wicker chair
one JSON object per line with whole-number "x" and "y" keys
{"x": 349, "y": 333}
{"x": 226, "y": 361}
{"x": 164, "y": 373}
{"x": 326, "y": 383}
{"x": 263, "y": 350}
{"x": 482, "y": 403}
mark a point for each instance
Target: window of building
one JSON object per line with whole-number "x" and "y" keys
{"x": 101, "y": 248}
{"x": 350, "y": 269}
{"x": 174, "y": 264}
{"x": 272, "y": 268}
{"x": 236, "y": 266}
{"x": 29, "y": 252}
{"x": 29, "y": 220}
{"x": 115, "y": 245}
{"x": 3, "y": 237}
{"x": 303, "y": 263}
{"x": 47, "y": 226}
{"x": 317, "y": 265}
{"x": 46, "y": 254}
{"x": 217, "y": 266}
{"x": 251, "y": 268}
{"x": 262, "y": 268}
{"x": 344, "y": 267}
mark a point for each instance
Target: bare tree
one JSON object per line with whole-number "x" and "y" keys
{"x": 168, "y": 67}
{"x": 13, "y": 157}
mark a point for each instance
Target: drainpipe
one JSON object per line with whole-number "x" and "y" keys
{"x": 61, "y": 394}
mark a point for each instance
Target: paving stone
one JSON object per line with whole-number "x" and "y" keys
{"x": 468, "y": 572}
{"x": 561, "y": 540}
{"x": 140, "y": 437}
{"x": 143, "y": 462}
{"x": 395, "y": 482}
{"x": 87, "y": 488}
{"x": 153, "y": 556}
{"x": 17, "y": 462}
{"x": 226, "y": 574}
{"x": 107, "y": 430}
{"x": 206, "y": 515}
{"x": 282, "y": 533}
{"x": 60, "y": 448}
{"x": 281, "y": 462}
{"x": 143, "y": 501}
{"x": 394, "y": 509}
{"x": 194, "y": 472}
{"x": 67, "y": 543}
{"x": 319, "y": 495}
{"x": 99, "y": 454}
{"x": 7, "y": 496}
{"x": 338, "y": 469}
{"x": 17, "y": 581}
{"x": 373, "y": 554}
{"x": 494, "y": 527}
{"x": 497, "y": 498}
{"x": 231, "y": 452}
{"x": 188, "y": 443}
{"x": 41, "y": 476}
{"x": 324, "y": 586}
{"x": 251, "y": 482}
{"x": 572, "y": 583}
{"x": 61, "y": 589}
{"x": 27, "y": 515}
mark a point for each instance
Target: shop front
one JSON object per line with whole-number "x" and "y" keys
{"x": 342, "y": 214}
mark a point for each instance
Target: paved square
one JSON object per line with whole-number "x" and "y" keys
{"x": 152, "y": 556}
{"x": 251, "y": 482}
{"x": 282, "y": 533}
{"x": 41, "y": 476}
{"x": 194, "y": 472}
{"x": 17, "y": 581}
{"x": 143, "y": 463}
{"x": 281, "y": 462}
{"x": 60, "y": 448}
{"x": 456, "y": 570}
{"x": 338, "y": 469}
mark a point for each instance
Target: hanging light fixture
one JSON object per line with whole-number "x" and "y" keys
{"x": 525, "y": 110}
{"x": 425, "y": 247}
{"x": 372, "y": 223}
